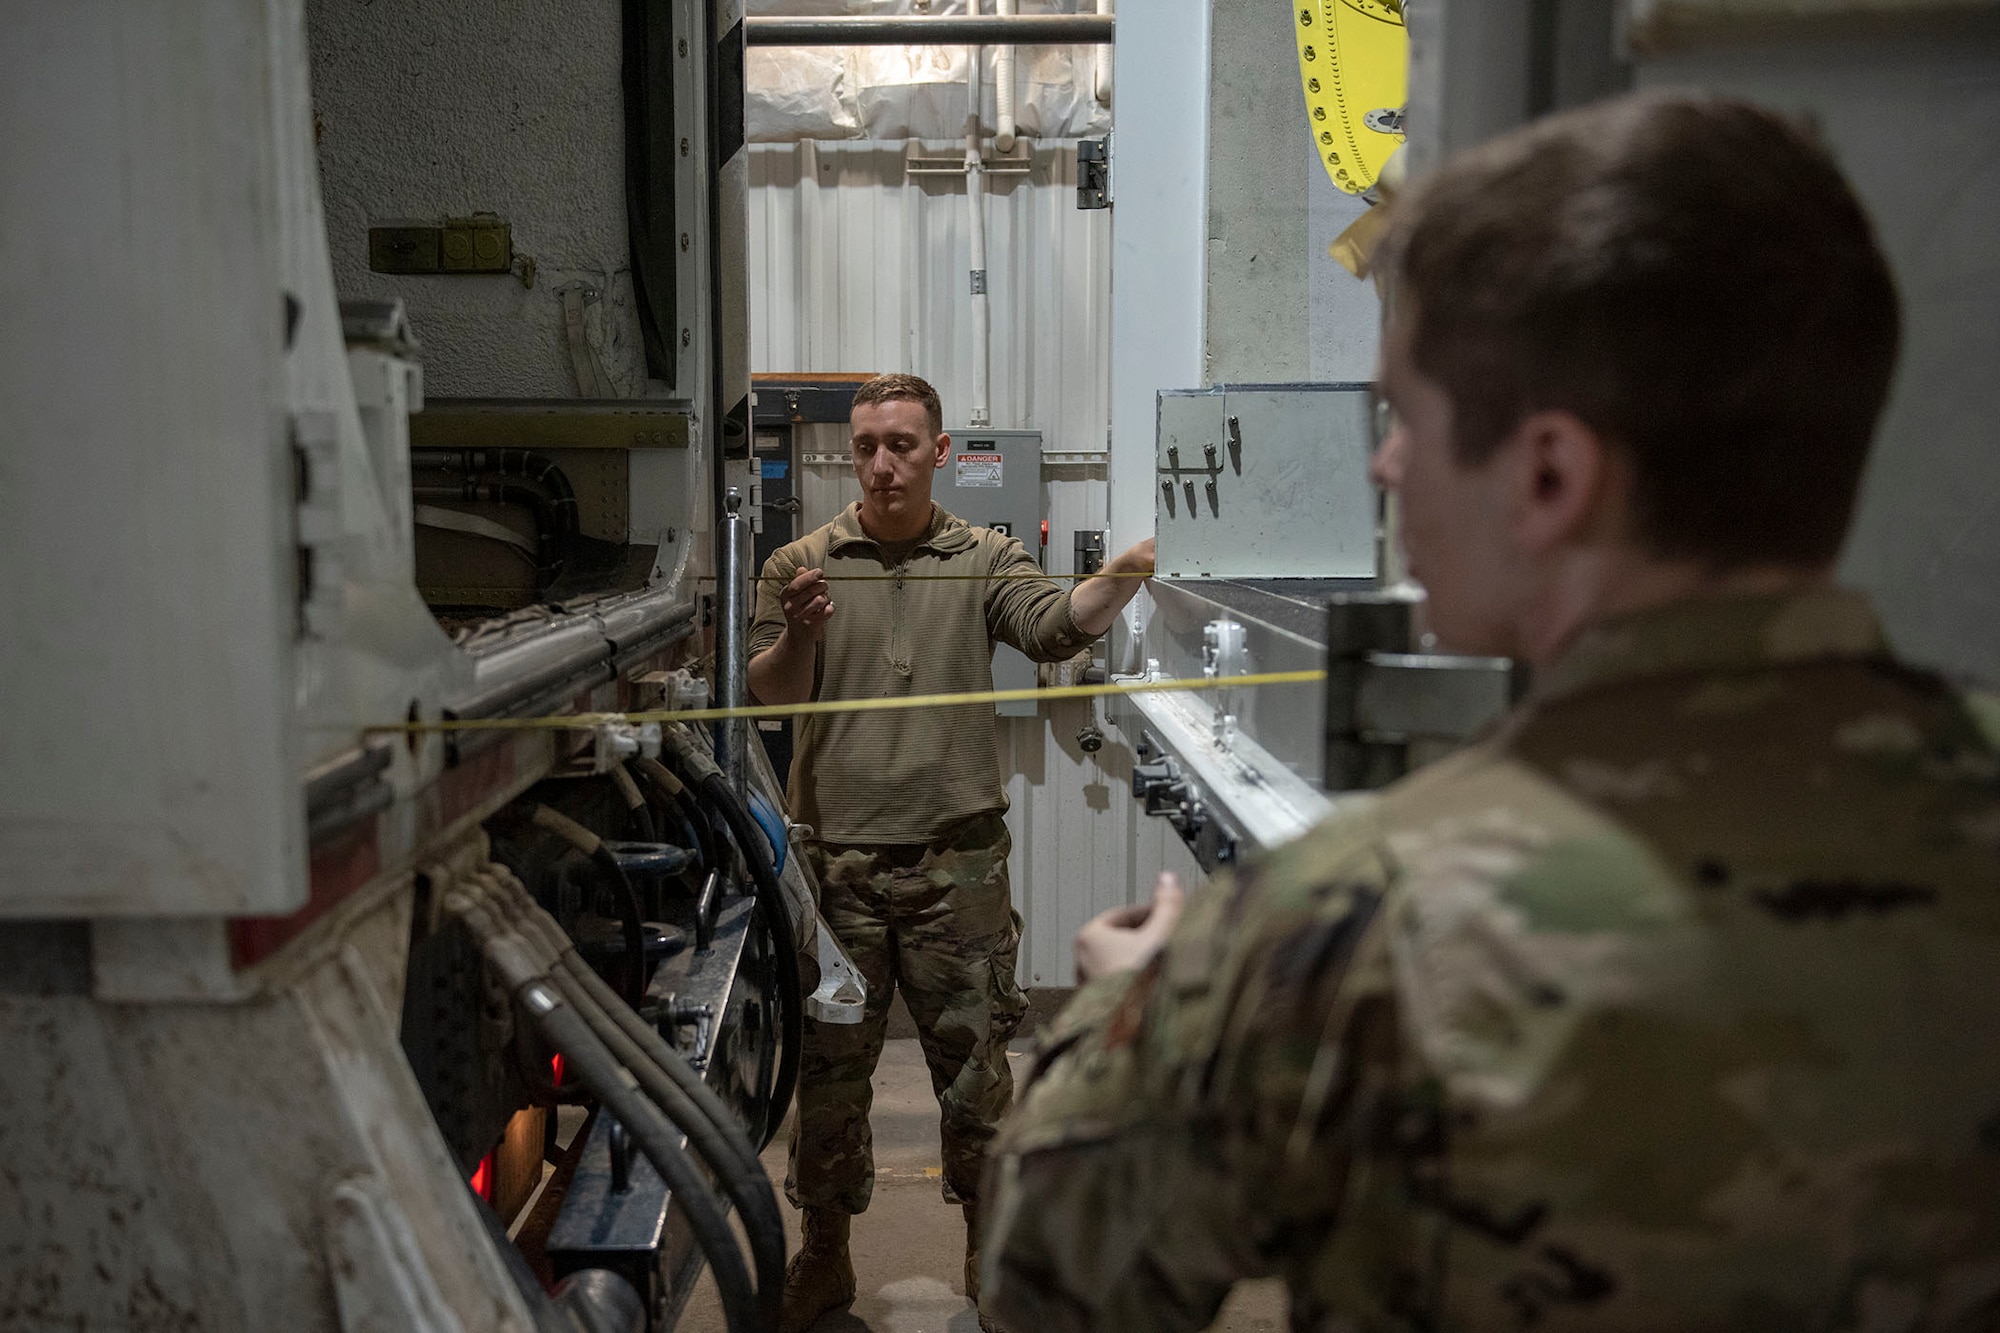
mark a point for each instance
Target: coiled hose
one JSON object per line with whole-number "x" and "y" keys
{"x": 700, "y": 775}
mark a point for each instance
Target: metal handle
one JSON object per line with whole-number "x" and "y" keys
{"x": 621, "y": 1157}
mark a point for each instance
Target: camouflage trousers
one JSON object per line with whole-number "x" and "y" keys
{"x": 939, "y": 924}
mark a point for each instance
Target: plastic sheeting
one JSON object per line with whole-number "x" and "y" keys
{"x": 914, "y": 92}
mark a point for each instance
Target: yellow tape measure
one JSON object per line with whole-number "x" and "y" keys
{"x": 587, "y": 721}
{"x": 1354, "y": 61}
{"x": 940, "y": 578}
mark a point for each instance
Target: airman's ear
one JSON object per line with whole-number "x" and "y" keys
{"x": 1565, "y": 479}
{"x": 943, "y": 448}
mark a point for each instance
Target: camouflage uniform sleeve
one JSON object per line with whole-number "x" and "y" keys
{"x": 768, "y": 621}
{"x": 1985, "y": 710}
{"x": 1028, "y": 613}
{"x": 1180, "y": 1127}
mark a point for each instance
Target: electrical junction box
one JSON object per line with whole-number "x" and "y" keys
{"x": 993, "y": 479}
{"x": 482, "y": 243}
{"x": 1266, "y": 481}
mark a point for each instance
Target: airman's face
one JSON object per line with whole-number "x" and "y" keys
{"x": 1455, "y": 534}
{"x": 895, "y": 457}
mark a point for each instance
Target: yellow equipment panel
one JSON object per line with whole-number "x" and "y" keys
{"x": 1354, "y": 62}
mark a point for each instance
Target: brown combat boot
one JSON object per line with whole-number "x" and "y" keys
{"x": 821, "y": 1275}
{"x": 972, "y": 1265}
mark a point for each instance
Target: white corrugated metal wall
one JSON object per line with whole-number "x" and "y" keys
{"x": 856, "y": 266}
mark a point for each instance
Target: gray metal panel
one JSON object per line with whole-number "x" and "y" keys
{"x": 148, "y": 765}
{"x": 1266, "y": 481}
{"x": 1005, "y": 495}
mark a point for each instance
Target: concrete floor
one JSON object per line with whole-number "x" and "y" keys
{"x": 909, "y": 1247}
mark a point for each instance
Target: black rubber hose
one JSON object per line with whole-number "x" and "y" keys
{"x": 708, "y": 1104}
{"x": 675, "y": 797}
{"x": 545, "y": 471}
{"x": 566, "y": 1030}
{"x": 691, "y": 829}
{"x": 637, "y": 809}
{"x": 675, "y": 810}
{"x": 581, "y": 838}
{"x": 750, "y": 841}
{"x": 730, "y": 1161}
{"x": 634, "y": 928}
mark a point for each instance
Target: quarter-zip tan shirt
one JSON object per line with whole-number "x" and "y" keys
{"x": 906, "y": 776}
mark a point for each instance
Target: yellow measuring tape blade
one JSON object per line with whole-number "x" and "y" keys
{"x": 1354, "y": 60}
{"x": 944, "y": 578}
{"x": 586, "y": 721}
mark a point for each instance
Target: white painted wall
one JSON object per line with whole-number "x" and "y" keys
{"x": 857, "y": 267}
{"x": 431, "y": 108}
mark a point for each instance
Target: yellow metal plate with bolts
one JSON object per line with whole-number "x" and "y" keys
{"x": 1354, "y": 62}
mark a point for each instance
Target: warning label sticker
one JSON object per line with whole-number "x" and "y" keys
{"x": 980, "y": 469}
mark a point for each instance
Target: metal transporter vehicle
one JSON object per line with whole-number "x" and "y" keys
{"x": 291, "y": 1005}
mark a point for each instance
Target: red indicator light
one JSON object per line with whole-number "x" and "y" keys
{"x": 1045, "y": 532}
{"x": 556, "y": 1071}
{"x": 482, "y": 1178}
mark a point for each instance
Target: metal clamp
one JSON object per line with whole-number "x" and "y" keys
{"x": 1224, "y": 653}
{"x": 612, "y": 742}
{"x": 674, "y": 1014}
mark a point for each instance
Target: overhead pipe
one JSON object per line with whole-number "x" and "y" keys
{"x": 975, "y": 202}
{"x": 1101, "y": 86}
{"x": 942, "y": 30}
{"x": 1003, "y": 89}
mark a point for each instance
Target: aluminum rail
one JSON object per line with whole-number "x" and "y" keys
{"x": 585, "y": 646}
{"x": 945, "y": 30}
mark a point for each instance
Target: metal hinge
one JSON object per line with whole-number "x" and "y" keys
{"x": 1093, "y": 173}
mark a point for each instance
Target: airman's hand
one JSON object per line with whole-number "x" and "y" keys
{"x": 1128, "y": 938}
{"x": 808, "y": 604}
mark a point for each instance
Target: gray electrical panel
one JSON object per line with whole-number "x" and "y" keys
{"x": 993, "y": 479}
{"x": 1266, "y": 481}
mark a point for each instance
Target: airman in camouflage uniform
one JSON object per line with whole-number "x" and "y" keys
{"x": 939, "y": 917}
{"x": 910, "y": 844}
{"x": 1670, "y": 1005}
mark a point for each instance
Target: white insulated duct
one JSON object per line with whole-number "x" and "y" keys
{"x": 975, "y": 202}
{"x": 1003, "y": 90}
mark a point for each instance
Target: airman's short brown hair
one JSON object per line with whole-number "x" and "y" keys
{"x": 1693, "y": 278}
{"x": 909, "y": 388}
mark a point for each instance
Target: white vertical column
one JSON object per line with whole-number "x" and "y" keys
{"x": 1159, "y": 185}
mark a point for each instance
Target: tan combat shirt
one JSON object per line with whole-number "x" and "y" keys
{"x": 1669, "y": 1007}
{"x": 905, "y": 777}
